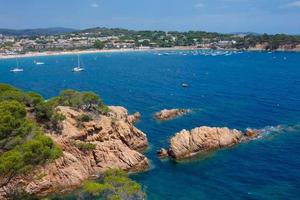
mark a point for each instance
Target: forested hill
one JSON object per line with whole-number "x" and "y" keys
{"x": 36, "y": 32}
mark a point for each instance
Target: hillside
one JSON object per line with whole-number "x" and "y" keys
{"x": 36, "y": 32}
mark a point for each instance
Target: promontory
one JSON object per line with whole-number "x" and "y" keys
{"x": 55, "y": 145}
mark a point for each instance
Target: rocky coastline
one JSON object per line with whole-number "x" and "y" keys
{"x": 107, "y": 141}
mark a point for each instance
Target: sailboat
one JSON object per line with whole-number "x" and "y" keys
{"x": 78, "y": 68}
{"x": 17, "y": 69}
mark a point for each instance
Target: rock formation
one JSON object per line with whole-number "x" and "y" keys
{"x": 165, "y": 114}
{"x": 107, "y": 141}
{"x": 189, "y": 143}
{"x": 162, "y": 153}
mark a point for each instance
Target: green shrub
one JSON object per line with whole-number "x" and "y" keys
{"x": 104, "y": 109}
{"x": 87, "y": 101}
{"x": 6, "y": 87}
{"x": 84, "y": 118}
{"x": 15, "y": 95}
{"x": 114, "y": 185}
{"x": 35, "y": 98}
{"x": 13, "y": 122}
{"x": 85, "y": 146}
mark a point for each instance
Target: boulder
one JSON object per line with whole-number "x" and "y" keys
{"x": 165, "y": 114}
{"x": 251, "y": 133}
{"x": 188, "y": 143}
{"x": 162, "y": 153}
{"x": 134, "y": 118}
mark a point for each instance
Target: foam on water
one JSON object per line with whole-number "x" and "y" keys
{"x": 277, "y": 129}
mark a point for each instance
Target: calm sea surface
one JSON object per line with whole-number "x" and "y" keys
{"x": 233, "y": 89}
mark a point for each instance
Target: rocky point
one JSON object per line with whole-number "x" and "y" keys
{"x": 106, "y": 141}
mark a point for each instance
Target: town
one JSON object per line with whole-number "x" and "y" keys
{"x": 106, "y": 38}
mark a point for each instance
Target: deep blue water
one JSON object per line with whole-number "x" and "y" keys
{"x": 238, "y": 90}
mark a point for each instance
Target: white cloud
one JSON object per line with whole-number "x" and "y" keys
{"x": 199, "y": 5}
{"x": 94, "y": 5}
{"x": 292, "y": 4}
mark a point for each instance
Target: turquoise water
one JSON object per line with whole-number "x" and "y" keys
{"x": 233, "y": 89}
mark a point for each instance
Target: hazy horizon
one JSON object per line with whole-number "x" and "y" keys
{"x": 80, "y": 29}
{"x": 224, "y": 16}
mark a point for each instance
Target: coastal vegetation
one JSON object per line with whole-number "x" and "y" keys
{"x": 115, "y": 185}
{"x": 86, "y": 101}
{"x": 23, "y": 144}
{"x": 26, "y": 119}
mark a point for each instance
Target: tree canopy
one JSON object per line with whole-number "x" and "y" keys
{"x": 115, "y": 185}
{"x": 23, "y": 145}
{"x": 87, "y": 101}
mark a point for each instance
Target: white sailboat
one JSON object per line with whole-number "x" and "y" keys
{"x": 78, "y": 68}
{"x": 17, "y": 69}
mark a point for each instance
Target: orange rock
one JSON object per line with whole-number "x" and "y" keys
{"x": 188, "y": 143}
{"x": 117, "y": 143}
{"x": 165, "y": 114}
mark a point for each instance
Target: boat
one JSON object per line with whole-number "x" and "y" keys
{"x": 17, "y": 69}
{"x": 39, "y": 63}
{"x": 184, "y": 85}
{"x": 78, "y": 68}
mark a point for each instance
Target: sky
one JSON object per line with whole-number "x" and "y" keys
{"x": 227, "y": 16}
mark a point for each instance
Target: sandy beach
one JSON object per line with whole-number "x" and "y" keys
{"x": 183, "y": 48}
{"x": 57, "y": 53}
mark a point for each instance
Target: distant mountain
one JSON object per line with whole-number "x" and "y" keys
{"x": 36, "y": 32}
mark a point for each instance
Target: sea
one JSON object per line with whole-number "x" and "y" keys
{"x": 235, "y": 89}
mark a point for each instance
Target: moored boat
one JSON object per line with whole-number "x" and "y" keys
{"x": 78, "y": 68}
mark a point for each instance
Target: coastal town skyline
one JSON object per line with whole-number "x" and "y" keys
{"x": 224, "y": 16}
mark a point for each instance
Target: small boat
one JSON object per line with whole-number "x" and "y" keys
{"x": 39, "y": 63}
{"x": 184, "y": 85}
{"x": 17, "y": 70}
{"x": 78, "y": 68}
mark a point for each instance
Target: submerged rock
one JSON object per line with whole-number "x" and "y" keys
{"x": 162, "y": 153}
{"x": 251, "y": 133}
{"x": 202, "y": 139}
{"x": 165, "y": 114}
{"x": 107, "y": 141}
{"x": 134, "y": 118}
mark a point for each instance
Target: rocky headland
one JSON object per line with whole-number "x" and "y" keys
{"x": 186, "y": 143}
{"x": 165, "y": 115}
{"x": 89, "y": 148}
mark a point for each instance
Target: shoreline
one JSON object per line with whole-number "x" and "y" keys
{"x": 92, "y": 51}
